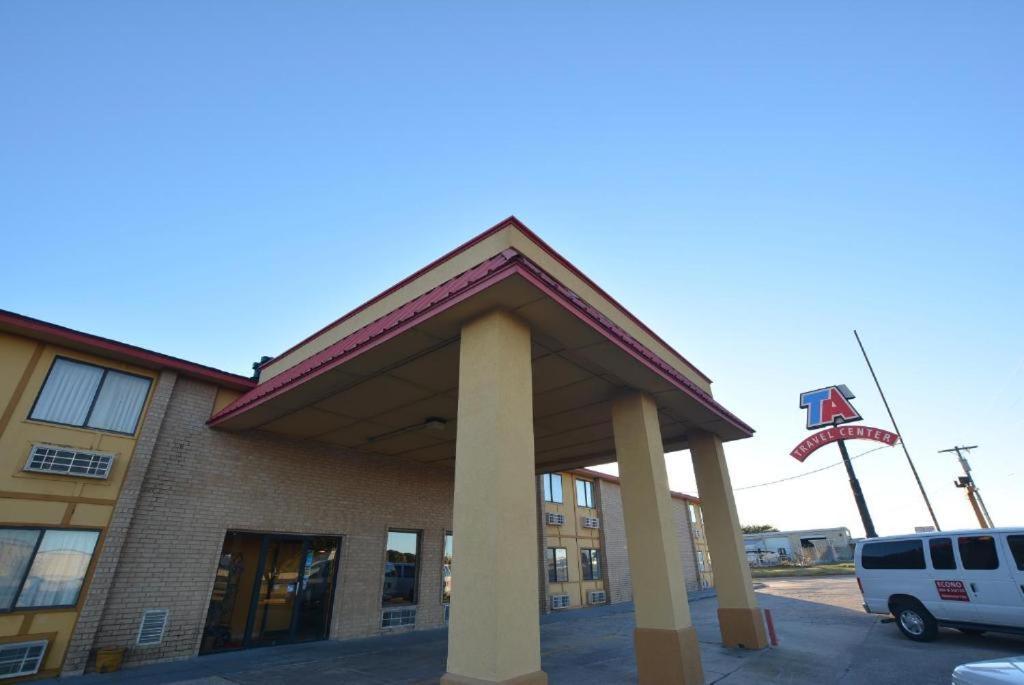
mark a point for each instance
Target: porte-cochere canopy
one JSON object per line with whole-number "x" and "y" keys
{"x": 383, "y": 379}
{"x": 503, "y": 359}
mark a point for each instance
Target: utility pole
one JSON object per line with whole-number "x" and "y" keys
{"x": 967, "y": 481}
{"x": 903, "y": 441}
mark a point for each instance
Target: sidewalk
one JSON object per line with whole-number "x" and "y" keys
{"x": 587, "y": 645}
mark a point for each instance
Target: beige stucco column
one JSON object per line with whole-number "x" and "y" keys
{"x": 494, "y": 630}
{"x": 741, "y": 622}
{"x": 665, "y": 640}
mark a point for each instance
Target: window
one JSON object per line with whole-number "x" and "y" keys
{"x": 978, "y": 553}
{"x": 942, "y": 553}
{"x": 403, "y": 548}
{"x": 446, "y": 570}
{"x": 584, "y": 493}
{"x": 558, "y": 565}
{"x": 553, "y": 487}
{"x": 590, "y": 562}
{"x": 700, "y": 561}
{"x": 43, "y": 568}
{"x": 1016, "y": 543}
{"x": 65, "y": 462}
{"x": 78, "y": 394}
{"x": 21, "y": 658}
{"x": 898, "y": 554}
{"x": 693, "y": 513}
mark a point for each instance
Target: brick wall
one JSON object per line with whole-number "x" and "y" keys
{"x": 616, "y": 555}
{"x": 684, "y": 533}
{"x": 98, "y": 594}
{"x": 203, "y": 482}
{"x": 616, "y": 559}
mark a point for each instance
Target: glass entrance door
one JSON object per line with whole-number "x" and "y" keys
{"x": 279, "y": 586}
{"x": 271, "y": 589}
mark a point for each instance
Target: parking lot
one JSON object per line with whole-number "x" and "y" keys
{"x": 825, "y": 638}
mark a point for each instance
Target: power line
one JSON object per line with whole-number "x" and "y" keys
{"x": 809, "y": 473}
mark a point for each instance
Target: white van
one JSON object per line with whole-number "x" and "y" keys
{"x": 972, "y": 580}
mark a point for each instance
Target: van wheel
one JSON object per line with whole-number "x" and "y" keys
{"x": 915, "y": 622}
{"x": 971, "y": 631}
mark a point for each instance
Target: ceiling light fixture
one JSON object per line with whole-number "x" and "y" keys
{"x": 431, "y": 423}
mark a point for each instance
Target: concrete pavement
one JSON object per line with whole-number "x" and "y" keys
{"x": 825, "y": 638}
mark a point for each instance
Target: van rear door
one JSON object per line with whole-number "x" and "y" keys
{"x": 995, "y": 598}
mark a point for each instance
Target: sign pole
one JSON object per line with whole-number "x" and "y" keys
{"x": 903, "y": 443}
{"x": 858, "y": 494}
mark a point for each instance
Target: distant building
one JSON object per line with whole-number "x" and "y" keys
{"x": 817, "y": 545}
{"x": 583, "y": 540}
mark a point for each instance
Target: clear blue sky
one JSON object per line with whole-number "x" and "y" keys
{"x": 218, "y": 180}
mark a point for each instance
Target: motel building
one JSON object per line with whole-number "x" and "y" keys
{"x": 421, "y": 462}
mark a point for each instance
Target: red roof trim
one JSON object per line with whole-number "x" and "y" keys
{"x": 446, "y": 295}
{"x": 615, "y": 479}
{"x": 626, "y": 342}
{"x": 510, "y": 221}
{"x": 426, "y": 305}
{"x": 27, "y": 326}
{"x": 405, "y": 281}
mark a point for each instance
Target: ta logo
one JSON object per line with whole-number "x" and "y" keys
{"x": 828, "y": 406}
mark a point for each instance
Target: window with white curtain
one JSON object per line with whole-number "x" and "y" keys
{"x": 43, "y": 567}
{"x": 79, "y": 394}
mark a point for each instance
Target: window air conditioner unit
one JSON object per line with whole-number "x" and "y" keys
{"x": 69, "y": 462}
{"x": 559, "y": 601}
{"x": 591, "y": 522}
{"x": 597, "y": 597}
{"x": 553, "y": 519}
{"x": 22, "y": 658}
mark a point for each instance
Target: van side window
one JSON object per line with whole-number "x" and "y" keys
{"x": 898, "y": 554}
{"x": 942, "y": 553}
{"x": 1017, "y": 548}
{"x": 978, "y": 553}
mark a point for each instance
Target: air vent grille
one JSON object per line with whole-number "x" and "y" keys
{"x": 152, "y": 627}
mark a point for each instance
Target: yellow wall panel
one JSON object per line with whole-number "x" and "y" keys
{"x": 10, "y": 625}
{"x": 32, "y": 511}
{"x": 224, "y": 398}
{"x": 17, "y": 353}
{"x": 61, "y": 623}
{"x": 93, "y": 515}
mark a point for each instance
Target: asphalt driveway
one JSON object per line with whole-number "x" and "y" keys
{"x": 825, "y": 638}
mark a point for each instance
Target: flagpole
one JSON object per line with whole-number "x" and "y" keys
{"x": 903, "y": 442}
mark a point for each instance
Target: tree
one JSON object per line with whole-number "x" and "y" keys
{"x": 760, "y": 528}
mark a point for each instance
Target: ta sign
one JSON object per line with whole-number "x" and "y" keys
{"x": 828, "y": 406}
